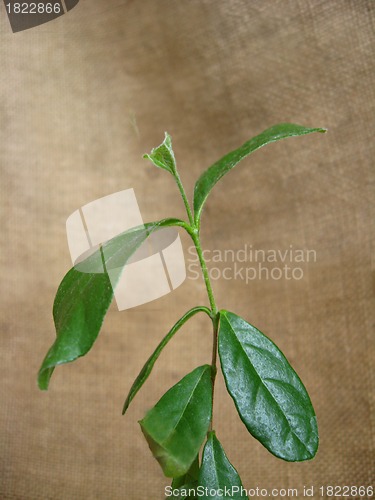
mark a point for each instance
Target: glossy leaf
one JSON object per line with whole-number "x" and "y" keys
{"x": 214, "y": 173}
{"x": 175, "y": 428}
{"x": 217, "y": 474}
{"x": 84, "y": 296}
{"x": 163, "y": 156}
{"x": 146, "y": 370}
{"x": 270, "y": 398}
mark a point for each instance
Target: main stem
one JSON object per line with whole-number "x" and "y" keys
{"x": 193, "y": 230}
{"x": 184, "y": 197}
{"x": 214, "y": 315}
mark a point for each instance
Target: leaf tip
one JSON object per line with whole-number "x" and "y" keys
{"x": 44, "y": 376}
{"x": 167, "y": 139}
{"x": 125, "y": 407}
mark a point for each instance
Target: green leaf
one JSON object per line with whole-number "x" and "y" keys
{"x": 270, "y": 398}
{"x": 163, "y": 156}
{"x": 214, "y": 173}
{"x": 217, "y": 474}
{"x": 84, "y": 296}
{"x": 146, "y": 370}
{"x": 188, "y": 481}
{"x": 175, "y": 428}
{"x": 191, "y": 475}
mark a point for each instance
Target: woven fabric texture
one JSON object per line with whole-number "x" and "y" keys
{"x": 82, "y": 98}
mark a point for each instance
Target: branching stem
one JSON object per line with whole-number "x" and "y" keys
{"x": 193, "y": 231}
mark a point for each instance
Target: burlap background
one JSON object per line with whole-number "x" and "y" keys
{"x": 82, "y": 98}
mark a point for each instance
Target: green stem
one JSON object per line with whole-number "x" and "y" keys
{"x": 215, "y": 324}
{"x": 214, "y": 314}
{"x": 193, "y": 231}
{"x": 184, "y": 197}
{"x": 206, "y": 277}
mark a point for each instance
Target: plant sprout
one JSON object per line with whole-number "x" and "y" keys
{"x": 269, "y": 396}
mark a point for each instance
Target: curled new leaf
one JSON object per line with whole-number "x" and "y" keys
{"x": 85, "y": 294}
{"x": 214, "y": 173}
{"x": 175, "y": 428}
{"x": 163, "y": 156}
{"x": 269, "y": 396}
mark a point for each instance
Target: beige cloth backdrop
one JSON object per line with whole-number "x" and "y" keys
{"x": 82, "y": 98}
